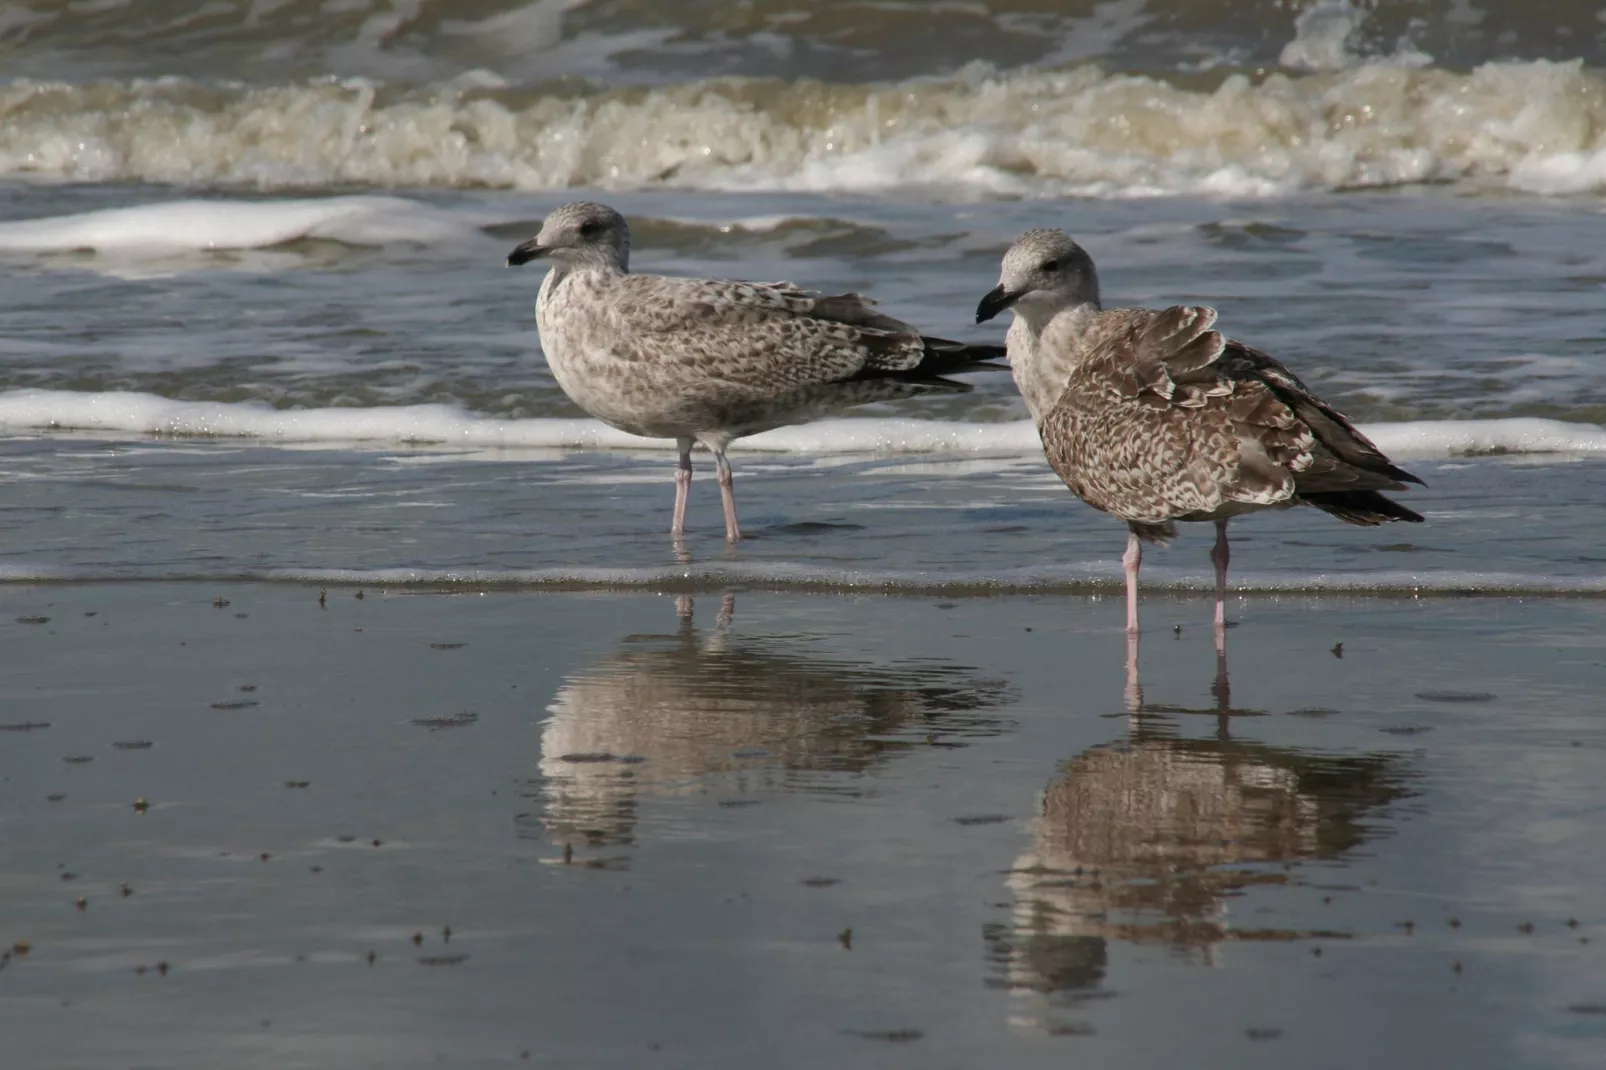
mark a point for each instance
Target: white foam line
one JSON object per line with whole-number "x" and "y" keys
{"x": 132, "y": 413}
{"x": 803, "y": 578}
{"x": 148, "y": 414}
{"x": 790, "y": 576}
{"x": 1448, "y": 438}
{"x": 233, "y": 224}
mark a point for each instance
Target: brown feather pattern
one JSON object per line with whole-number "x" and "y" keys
{"x": 1165, "y": 419}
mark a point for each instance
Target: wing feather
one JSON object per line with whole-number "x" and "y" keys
{"x": 770, "y": 339}
{"x": 1166, "y": 418}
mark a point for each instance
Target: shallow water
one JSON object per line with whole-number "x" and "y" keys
{"x": 79, "y": 508}
{"x": 1398, "y": 307}
{"x": 860, "y": 830}
{"x": 1448, "y": 343}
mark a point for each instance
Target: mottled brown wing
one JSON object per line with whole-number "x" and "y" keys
{"x": 1181, "y": 360}
{"x": 1179, "y": 437}
{"x": 1166, "y": 419}
{"x": 758, "y": 338}
{"x": 1345, "y": 459}
{"x": 1152, "y": 441}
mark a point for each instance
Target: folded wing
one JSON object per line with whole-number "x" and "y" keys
{"x": 773, "y": 339}
{"x": 1195, "y": 425}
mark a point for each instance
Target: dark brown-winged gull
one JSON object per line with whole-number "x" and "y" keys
{"x": 709, "y": 361}
{"x": 1154, "y": 417}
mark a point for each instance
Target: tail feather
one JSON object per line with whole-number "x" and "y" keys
{"x": 947, "y": 358}
{"x": 1365, "y": 507}
{"x": 941, "y": 358}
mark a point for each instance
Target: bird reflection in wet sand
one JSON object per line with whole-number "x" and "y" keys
{"x": 1149, "y": 839}
{"x": 709, "y": 711}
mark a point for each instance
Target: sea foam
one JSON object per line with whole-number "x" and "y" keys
{"x": 812, "y": 578}
{"x": 124, "y": 413}
{"x": 225, "y": 224}
{"x": 1538, "y": 126}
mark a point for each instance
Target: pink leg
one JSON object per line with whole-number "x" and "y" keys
{"x": 1130, "y": 561}
{"x": 727, "y": 494}
{"x": 1219, "y": 556}
{"x": 677, "y": 527}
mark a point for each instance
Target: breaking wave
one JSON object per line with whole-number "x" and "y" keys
{"x": 1535, "y": 126}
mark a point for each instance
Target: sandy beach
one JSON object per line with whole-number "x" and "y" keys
{"x": 858, "y": 830}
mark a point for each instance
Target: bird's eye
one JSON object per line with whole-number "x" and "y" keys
{"x": 590, "y": 229}
{"x": 1051, "y": 265}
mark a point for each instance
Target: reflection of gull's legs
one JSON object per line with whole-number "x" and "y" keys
{"x": 1134, "y": 690}
{"x": 1131, "y": 561}
{"x": 1219, "y": 556}
{"x": 682, "y": 486}
{"x": 715, "y": 641}
{"x": 684, "y": 606}
{"x": 1222, "y": 689}
{"x": 727, "y": 494}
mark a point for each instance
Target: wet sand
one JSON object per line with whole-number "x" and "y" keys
{"x": 796, "y": 830}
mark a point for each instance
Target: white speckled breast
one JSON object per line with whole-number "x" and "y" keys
{"x": 594, "y": 377}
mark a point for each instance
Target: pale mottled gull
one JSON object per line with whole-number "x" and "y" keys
{"x": 705, "y": 361}
{"x": 701, "y": 704}
{"x": 1154, "y": 417}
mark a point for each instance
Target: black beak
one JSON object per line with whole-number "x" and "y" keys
{"x": 996, "y": 301}
{"x": 523, "y": 254}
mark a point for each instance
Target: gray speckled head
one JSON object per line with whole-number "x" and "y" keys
{"x": 1044, "y": 270}
{"x": 582, "y": 233}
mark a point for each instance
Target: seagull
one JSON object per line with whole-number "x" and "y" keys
{"x": 1153, "y": 416}
{"x": 707, "y": 361}
{"x": 702, "y": 703}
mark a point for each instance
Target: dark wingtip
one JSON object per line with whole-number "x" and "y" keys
{"x": 1396, "y": 511}
{"x": 1365, "y": 507}
{"x": 947, "y": 386}
{"x": 944, "y": 357}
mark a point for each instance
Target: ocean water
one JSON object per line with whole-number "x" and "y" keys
{"x": 253, "y": 282}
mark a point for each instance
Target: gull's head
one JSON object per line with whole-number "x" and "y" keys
{"x": 583, "y": 233}
{"x": 1043, "y": 272}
